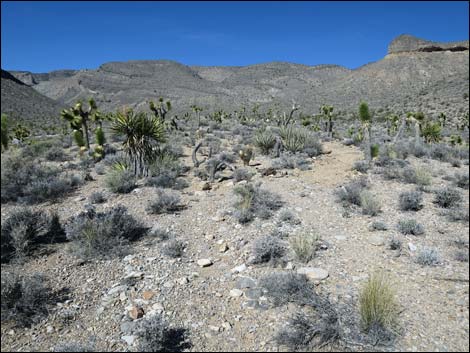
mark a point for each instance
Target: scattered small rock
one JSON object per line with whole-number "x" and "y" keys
{"x": 204, "y": 262}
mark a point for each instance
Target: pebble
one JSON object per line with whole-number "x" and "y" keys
{"x": 147, "y": 295}
{"x": 136, "y": 313}
{"x": 376, "y": 240}
{"x": 204, "y": 262}
{"x": 412, "y": 247}
{"x": 239, "y": 269}
{"x": 49, "y": 329}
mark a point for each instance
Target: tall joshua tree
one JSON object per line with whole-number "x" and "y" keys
{"x": 79, "y": 119}
{"x": 366, "y": 118}
{"x": 160, "y": 109}
{"x": 327, "y": 113}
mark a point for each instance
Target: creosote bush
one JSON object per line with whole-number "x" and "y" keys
{"x": 427, "y": 257}
{"x": 369, "y": 203}
{"x": 447, "y": 197}
{"x": 103, "y": 234}
{"x": 25, "y": 299}
{"x": 410, "y": 227}
{"x": 155, "y": 335}
{"x": 378, "y": 225}
{"x": 242, "y": 174}
{"x": 25, "y": 230}
{"x": 287, "y": 287}
{"x": 268, "y": 249}
{"x": 410, "y": 201}
{"x": 351, "y": 193}
{"x": 173, "y": 248}
{"x": 165, "y": 202}
{"x": 120, "y": 181}
{"x": 255, "y": 202}
{"x": 97, "y": 197}
{"x": 378, "y": 308}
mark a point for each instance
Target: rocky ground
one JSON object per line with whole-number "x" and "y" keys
{"x": 218, "y": 301}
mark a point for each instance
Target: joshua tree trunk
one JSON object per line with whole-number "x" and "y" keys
{"x": 400, "y": 130}
{"x": 87, "y": 139}
{"x": 367, "y": 151}
{"x": 417, "y": 135}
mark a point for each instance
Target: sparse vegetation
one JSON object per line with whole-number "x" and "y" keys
{"x": 165, "y": 202}
{"x": 369, "y": 203}
{"x": 410, "y": 227}
{"x": 255, "y": 202}
{"x": 120, "y": 181}
{"x": 305, "y": 246}
{"x": 378, "y": 308}
{"x": 411, "y": 201}
{"x": 447, "y": 197}
{"x": 427, "y": 257}
{"x": 268, "y": 249}
{"x": 286, "y": 287}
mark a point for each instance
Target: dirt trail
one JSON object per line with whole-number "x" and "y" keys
{"x": 335, "y": 167}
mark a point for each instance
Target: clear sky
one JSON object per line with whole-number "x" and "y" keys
{"x": 41, "y": 36}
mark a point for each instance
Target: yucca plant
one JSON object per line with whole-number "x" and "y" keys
{"x": 265, "y": 141}
{"x": 327, "y": 113}
{"x": 142, "y": 134}
{"x": 293, "y": 139}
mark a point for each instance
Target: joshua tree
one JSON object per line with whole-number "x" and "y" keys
{"x": 392, "y": 123}
{"x": 285, "y": 120}
{"x": 79, "y": 119}
{"x": 198, "y": 111}
{"x": 143, "y": 133}
{"x": 326, "y": 112}
{"x": 160, "y": 109}
{"x": 442, "y": 119}
{"x": 4, "y": 132}
{"x": 366, "y": 118}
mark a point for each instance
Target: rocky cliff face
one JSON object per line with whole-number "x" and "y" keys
{"x": 416, "y": 74}
{"x": 407, "y": 43}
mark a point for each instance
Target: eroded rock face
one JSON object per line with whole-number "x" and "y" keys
{"x": 408, "y": 43}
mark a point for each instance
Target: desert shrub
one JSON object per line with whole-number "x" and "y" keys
{"x": 165, "y": 202}
{"x": 24, "y": 230}
{"x": 38, "y": 148}
{"x": 461, "y": 180}
{"x": 56, "y": 154}
{"x": 395, "y": 243}
{"x": 268, "y": 249}
{"x": 378, "y": 308}
{"x": 29, "y": 181}
{"x": 159, "y": 233}
{"x": 255, "y": 202}
{"x": 422, "y": 177}
{"x": 305, "y": 246}
{"x": 457, "y": 214}
{"x": 173, "y": 248}
{"x": 287, "y": 287}
{"x": 369, "y": 203}
{"x": 97, "y": 197}
{"x": 165, "y": 170}
{"x": 100, "y": 169}
{"x": 103, "y": 234}
{"x": 441, "y": 152}
{"x": 447, "y": 197}
{"x": 288, "y": 161}
{"x": 378, "y": 225}
{"x": 351, "y": 193}
{"x": 361, "y": 166}
{"x": 155, "y": 335}
{"x": 120, "y": 181}
{"x": 265, "y": 141}
{"x": 293, "y": 139}
{"x": 456, "y": 163}
{"x": 287, "y": 216}
{"x": 410, "y": 201}
{"x": 242, "y": 174}
{"x": 25, "y": 299}
{"x": 306, "y": 332}
{"x": 427, "y": 257}
{"x": 410, "y": 226}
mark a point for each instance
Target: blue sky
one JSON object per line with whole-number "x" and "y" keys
{"x": 41, "y": 36}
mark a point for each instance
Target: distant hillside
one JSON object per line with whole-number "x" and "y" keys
{"x": 415, "y": 74}
{"x": 26, "y": 105}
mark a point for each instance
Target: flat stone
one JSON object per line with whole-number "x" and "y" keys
{"x": 313, "y": 273}
{"x": 245, "y": 282}
{"x": 113, "y": 292}
{"x": 340, "y": 237}
{"x": 376, "y": 240}
{"x": 223, "y": 248}
{"x": 239, "y": 269}
{"x": 134, "y": 274}
{"x": 236, "y": 293}
{"x": 147, "y": 295}
{"x": 254, "y": 293}
{"x": 206, "y": 186}
{"x": 183, "y": 280}
{"x": 204, "y": 262}
{"x": 127, "y": 327}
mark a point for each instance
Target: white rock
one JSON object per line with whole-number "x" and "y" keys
{"x": 239, "y": 268}
{"x": 236, "y": 293}
{"x": 129, "y": 339}
{"x": 49, "y": 329}
{"x": 204, "y": 262}
{"x": 412, "y": 247}
{"x": 377, "y": 240}
{"x": 313, "y": 273}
